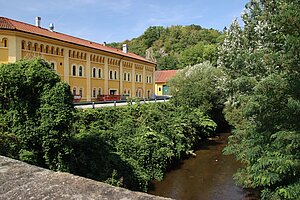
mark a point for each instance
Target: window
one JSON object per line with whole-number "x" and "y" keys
{"x": 23, "y": 44}
{"x": 80, "y": 92}
{"x": 116, "y": 75}
{"x": 47, "y": 49}
{"x": 29, "y": 46}
{"x": 41, "y": 48}
{"x": 74, "y": 70}
{"x": 99, "y": 91}
{"x": 111, "y": 74}
{"x": 140, "y": 78}
{"x": 128, "y": 92}
{"x": 150, "y": 79}
{"x": 52, "y": 65}
{"x": 99, "y": 73}
{"x": 35, "y": 47}
{"x": 147, "y": 79}
{"x": 5, "y": 42}
{"x": 74, "y": 91}
{"x": 125, "y": 91}
{"x": 62, "y": 52}
{"x": 159, "y": 89}
{"x": 128, "y": 76}
{"x": 125, "y": 76}
{"x": 136, "y": 78}
{"x": 80, "y": 71}
{"x": 57, "y": 51}
{"x": 94, "y": 72}
{"x": 94, "y": 93}
{"x": 52, "y": 50}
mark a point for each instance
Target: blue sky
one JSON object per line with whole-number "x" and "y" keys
{"x": 118, "y": 20}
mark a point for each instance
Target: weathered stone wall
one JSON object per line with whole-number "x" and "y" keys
{"x": 19, "y": 180}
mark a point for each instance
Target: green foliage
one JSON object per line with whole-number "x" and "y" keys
{"x": 9, "y": 145}
{"x": 132, "y": 145}
{"x": 176, "y": 47}
{"x": 261, "y": 62}
{"x": 200, "y": 86}
{"x": 36, "y": 109}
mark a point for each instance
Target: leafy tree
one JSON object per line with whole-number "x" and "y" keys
{"x": 176, "y": 46}
{"x": 200, "y": 86}
{"x": 261, "y": 62}
{"x": 36, "y": 111}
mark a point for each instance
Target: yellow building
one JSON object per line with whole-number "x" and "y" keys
{"x": 161, "y": 79}
{"x": 90, "y": 68}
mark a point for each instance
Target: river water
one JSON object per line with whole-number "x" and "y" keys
{"x": 207, "y": 176}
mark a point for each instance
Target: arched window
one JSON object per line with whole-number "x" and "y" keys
{"x": 74, "y": 90}
{"x": 111, "y": 74}
{"x": 136, "y": 78}
{"x": 80, "y": 71}
{"x": 99, "y": 73}
{"x": 73, "y": 55}
{"x": 81, "y": 56}
{"x": 80, "y": 92}
{"x": 5, "y": 43}
{"x": 41, "y": 48}
{"x": 57, "y": 51}
{"x": 125, "y": 76}
{"x": 74, "y": 70}
{"x": 35, "y": 47}
{"x": 140, "y": 78}
{"x": 94, "y": 72}
{"x": 62, "y": 52}
{"x": 52, "y": 64}
{"x": 47, "y": 49}
{"x": 125, "y": 91}
{"x": 128, "y": 76}
{"x": 52, "y": 50}
{"x": 147, "y": 79}
{"x": 29, "y": 46}
{"x": 23, "y": 44}
{"x": 116, "y": 75}
{"x": 99, "y": 91}
{"x": 84, "y": 56}
{"x": 77, "y": 55}
{"x": 94, "y": 92}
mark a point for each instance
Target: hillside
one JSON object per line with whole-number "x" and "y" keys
{"x": 177, "y": 46}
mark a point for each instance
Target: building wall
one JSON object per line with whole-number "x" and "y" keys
{"x": 75, "y": 64}
{"x": 159, "y": 88}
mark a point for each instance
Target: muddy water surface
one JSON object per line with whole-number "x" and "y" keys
{"x": 208, "y": 176}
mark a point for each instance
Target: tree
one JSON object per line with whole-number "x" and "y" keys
{"x": 261, "y": 62}
{"x": 36, "y": 113}
{"x": 200, "y": 86}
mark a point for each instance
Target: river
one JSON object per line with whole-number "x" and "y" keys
{"x": 207, "y": 176}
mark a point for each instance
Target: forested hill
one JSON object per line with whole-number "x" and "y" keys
{"x": 177, "y": 46}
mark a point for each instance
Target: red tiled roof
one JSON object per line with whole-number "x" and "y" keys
{"x": 6, "y": 23}
{"x": 164, "y": 75}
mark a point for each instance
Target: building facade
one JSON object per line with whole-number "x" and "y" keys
{"x": 161, "y": 81}
{"x": 90, "y": 68}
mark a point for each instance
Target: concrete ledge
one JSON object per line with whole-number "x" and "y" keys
{"x": 19, "y": 180}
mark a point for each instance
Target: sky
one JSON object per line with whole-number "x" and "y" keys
{"x": 117, "y": 20}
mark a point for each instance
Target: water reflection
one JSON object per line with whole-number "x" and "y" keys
{"x": 208, "y": 176}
